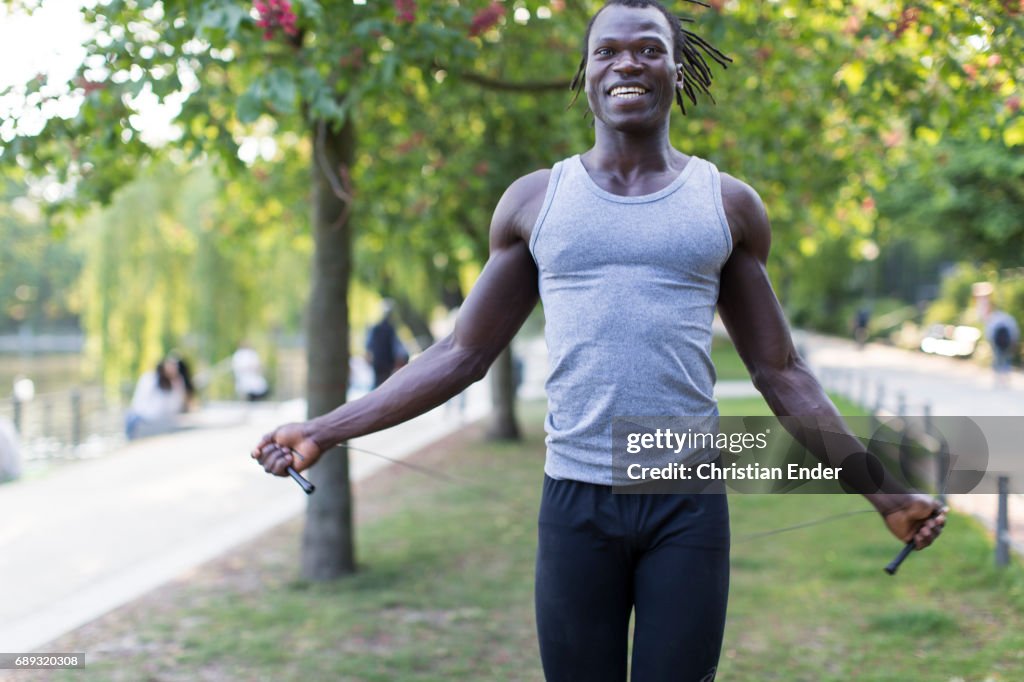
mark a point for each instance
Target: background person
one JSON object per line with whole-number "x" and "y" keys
{"x": 384, "y": 350}
{"x": 250, "y": 384}
{"x": 1003, "y": 334}
{"x": 860, "y": 325}
{"x": 10, "y": 454}
{"x": 160, "y": 396}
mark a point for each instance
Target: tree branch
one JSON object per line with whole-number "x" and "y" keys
{"x": 490, "y": 83}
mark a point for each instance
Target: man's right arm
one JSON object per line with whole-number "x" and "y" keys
{"x": 499, "y": 303}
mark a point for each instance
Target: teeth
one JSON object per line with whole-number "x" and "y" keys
{"x": 627, "y": 92}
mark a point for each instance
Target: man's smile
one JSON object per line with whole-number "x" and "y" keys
{"x": 627, "y": 91}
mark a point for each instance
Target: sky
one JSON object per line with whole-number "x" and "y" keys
{"x": 48, "y": 42}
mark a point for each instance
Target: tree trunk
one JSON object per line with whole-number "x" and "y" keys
{"x": 503, "y": 399}
{"x": 328, "y": 548}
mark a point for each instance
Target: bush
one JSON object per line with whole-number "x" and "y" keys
{"x": 955, "y": 304}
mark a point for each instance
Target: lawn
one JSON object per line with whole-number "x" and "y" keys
{"x": 445, "y": 593}
{"x": 728, "y": 365}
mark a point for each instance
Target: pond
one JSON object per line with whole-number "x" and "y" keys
{"x": 51, "y": 372}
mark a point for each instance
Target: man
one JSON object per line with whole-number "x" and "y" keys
{"x": 631, "y": 246}
{"x": 384, "y": 350}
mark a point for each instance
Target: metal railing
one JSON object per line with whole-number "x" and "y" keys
{"x": 919, "y": 431}
{"x": 70, "y": 424}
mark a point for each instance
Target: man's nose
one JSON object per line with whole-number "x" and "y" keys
{"x": 627, "y": 63}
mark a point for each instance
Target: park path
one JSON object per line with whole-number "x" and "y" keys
{"x": 949, "y": 387}
{"x": 94, "y": 534}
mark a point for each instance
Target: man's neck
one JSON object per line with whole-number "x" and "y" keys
{"x": 626, "y": 154}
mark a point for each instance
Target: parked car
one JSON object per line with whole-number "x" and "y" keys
{"x": 954, "y": 341}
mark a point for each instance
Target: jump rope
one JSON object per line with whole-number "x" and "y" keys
{"x": 309, "y": 488}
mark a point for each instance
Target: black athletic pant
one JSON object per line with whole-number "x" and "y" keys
{"x": 601, "y": 555}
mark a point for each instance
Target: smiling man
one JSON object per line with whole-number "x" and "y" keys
{"x": 631, "y": 246}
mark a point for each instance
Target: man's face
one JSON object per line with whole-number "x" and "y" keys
{"x": 631, "y": 76}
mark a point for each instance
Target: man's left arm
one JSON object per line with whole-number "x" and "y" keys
{"x": 758, "y": 328}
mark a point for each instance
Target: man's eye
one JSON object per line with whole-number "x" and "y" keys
{"x": 603, "y": 51}
{"x": 650, "y": 50}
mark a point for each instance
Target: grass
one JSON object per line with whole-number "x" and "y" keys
{"x": 445, "y": 593}
{"x": 814, "y": 604}
{"x": 728, "y": 365}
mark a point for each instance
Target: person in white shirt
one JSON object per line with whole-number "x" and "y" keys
{"x": 160, "y": 396}
{"x": 249, "y": 380}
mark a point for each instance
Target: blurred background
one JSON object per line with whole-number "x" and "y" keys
{"x": 246, "y": 187}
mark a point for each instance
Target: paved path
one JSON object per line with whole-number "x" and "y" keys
{"x": 949, "y": 387}
{"x": 95, "y": 534}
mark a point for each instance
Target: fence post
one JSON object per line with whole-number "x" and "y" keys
{"x": 47, "y": 424}
{"x": 901, "y": 405}
{"x": 76, "y": 417}
{"x": 941, "y": 457}
{"x": 1003, "y": 524}
{"x": 16, "y": 413}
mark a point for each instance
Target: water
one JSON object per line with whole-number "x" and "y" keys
{"x": 51, "y": 372}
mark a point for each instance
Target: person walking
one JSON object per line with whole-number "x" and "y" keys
{"x": 1003, "y": 334}
{"x": 384, "y": 350}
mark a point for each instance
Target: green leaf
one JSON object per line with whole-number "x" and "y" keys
{"x": 223, "y": 17}
{"x": 928, "y": 135}
{"x": 310, "y": 9}
{"x": 282, "y": 91}
{"x": 1014, "y": 133}
{"x": 250, "y": 104}
{"x": 388, "y": 66}
{"x": 853, "y": 76}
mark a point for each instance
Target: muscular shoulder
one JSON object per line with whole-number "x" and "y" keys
{"x": 517, "y": 211}
{"x": 748, "y": 219}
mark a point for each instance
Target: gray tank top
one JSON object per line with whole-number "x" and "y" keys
{"x": 629, "y": 287}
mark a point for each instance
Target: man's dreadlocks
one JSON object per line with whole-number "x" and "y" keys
{"x": 686, "y": 52}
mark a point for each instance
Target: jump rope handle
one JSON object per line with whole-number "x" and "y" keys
{"x": 904, "y": 553}
{"x": 306, "y": 486}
